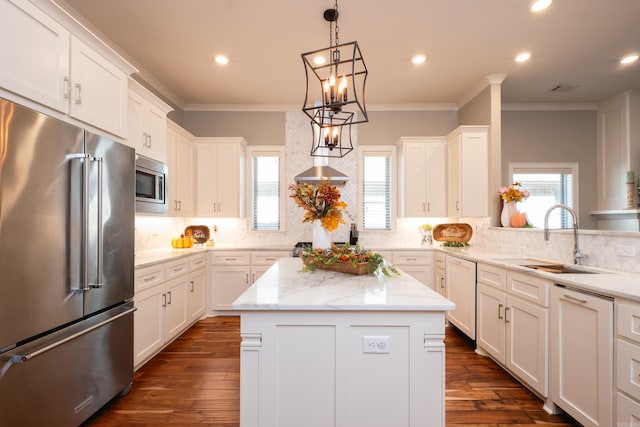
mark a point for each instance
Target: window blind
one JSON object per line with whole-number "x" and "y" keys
{"x": 376, "y": 191}
{"x": 266, "y": 193}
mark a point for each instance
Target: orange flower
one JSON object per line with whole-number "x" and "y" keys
{"x": 321, "y": 202}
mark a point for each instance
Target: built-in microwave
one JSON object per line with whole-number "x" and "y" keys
{"x": 151, "y": 185}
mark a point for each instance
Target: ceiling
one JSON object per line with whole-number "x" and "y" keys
{"x": 575, "y": 44}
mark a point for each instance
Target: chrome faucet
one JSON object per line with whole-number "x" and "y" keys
{"x": 578, "y": 256}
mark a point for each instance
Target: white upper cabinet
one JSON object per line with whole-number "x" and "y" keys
{"x": 44, "y": 62}
{"x": 35, "y": 54}
{"x": 468, "y": 171}
{"x": 98, "y": 89}
{"x": 180, "y": 161}
{"x": 220, "y": 177}
{"x": 422, "y": 176}
{"x": 147, "y": 123}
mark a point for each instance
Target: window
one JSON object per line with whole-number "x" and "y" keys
{"x": 549, "y": 184}
{"x": 266, "y": 181}
{"x": 376, "y": 187}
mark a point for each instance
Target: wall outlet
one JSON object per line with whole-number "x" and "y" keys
{"x": 375, "y": 344}
{"x": 624, "y": 250}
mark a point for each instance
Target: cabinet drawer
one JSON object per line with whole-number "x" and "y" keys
{"x": 413, "y": 258}
{"x": 177, "y": 268}
{"x": 146, "y": 277}
{"x": 628, "y": 368}
{"x": 231, "y": 258}
{"x": 492, "y": 276}
{"x": 530, "y": 288}
{"x": 197, "y": 261}
{"x": 268, "y": 257}
{"x": 628, "y": 411}
{"x": 439, "y": 260}
{"x": 628, "y": 321}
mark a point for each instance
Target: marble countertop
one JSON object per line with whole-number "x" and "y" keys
{"x": 604, "y": 282}
{"x": 286, "y": 287}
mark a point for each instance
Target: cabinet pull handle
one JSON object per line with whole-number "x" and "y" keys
{"x": 78, "y": 99}
{"x": 506, "y": 318}
{"x": 270, "y": 259}
{"x": 424, "y": 208}
{"x": 67, "y": 88}
{"x": 229, "y": 259}
{"x": 412, "y": 259}
{"x": 442, "y": 282}
{"x": 149, "y": 140}
{"x": 247, "y": 278}
{"x": 219, "y": 207}
{"x": 253, "y": 277}
{"x": 179, "y": 205}
{"x": 500, "y": 311}
{"x": 457, "y": 205}
{"x": 169, "y": 302}
{"x": 150, "y": 278}
{"x": 164, "y": 300}
{"x": 581, "y": 301}
{"x": 428, "y": 207}
{"x": 192, "y": 285}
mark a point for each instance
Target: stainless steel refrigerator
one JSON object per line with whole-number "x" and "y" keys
{"x": 66, "y": 269}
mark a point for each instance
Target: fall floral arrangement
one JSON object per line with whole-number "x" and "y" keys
{"x": 317, "y": 258}
{"x": 513, "y": 193}
{"x": 320, "y": 202}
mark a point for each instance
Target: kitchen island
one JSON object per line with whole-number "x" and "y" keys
{"x": 325, "y": 349}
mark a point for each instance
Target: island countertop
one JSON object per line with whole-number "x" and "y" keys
{"x": 286, "y": 287}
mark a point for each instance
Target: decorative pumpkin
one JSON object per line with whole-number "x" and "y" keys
{"x": 518, "y": 220}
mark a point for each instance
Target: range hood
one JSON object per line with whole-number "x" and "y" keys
{"x": 315, "y": 173}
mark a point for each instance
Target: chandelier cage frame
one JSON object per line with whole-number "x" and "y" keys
{"x": 332, "y": 138}
{"x": 343, "y": 61}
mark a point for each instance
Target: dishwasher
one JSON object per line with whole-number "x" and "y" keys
{"x": 581, "y": 354}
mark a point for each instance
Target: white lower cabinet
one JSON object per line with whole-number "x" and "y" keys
{"x": 232, "y": 272}
{"x": 514, "y": 329}
{"x": 168, "y": 299}
{"x": 418, "y": 264}
{"x": 581, "y": 350}
{"x": 627, "y": 345}
{"x": 196, "y": 299}
{"x": 461, "y": 289}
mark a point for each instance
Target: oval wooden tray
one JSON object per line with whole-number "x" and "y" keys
{"x": 200, "y": 233}
{"x": 455, "y": 232}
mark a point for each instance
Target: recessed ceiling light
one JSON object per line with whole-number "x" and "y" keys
{"x": 629, "y": 59}
{"x": 319, "y": 60}
{"x": 523, "y": 57}
{"x": 418, "y": 59}
{"x": 539, "y": 5}
{"x": 221, "y": 59}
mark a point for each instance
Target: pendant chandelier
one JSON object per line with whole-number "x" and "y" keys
{"x": 334, "y": 98}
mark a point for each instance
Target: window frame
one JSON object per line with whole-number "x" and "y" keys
{"x": 386, "y": 151}
{"x": 551, "y": 167}
{"x": 266, "y": 151}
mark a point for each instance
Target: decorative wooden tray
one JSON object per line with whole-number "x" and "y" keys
{"x": 339, "y": 266}
{"x": 456, "y": 232}
{"x": 200, "y": 233}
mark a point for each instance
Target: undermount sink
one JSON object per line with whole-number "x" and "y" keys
{"x": 560, "y": 269}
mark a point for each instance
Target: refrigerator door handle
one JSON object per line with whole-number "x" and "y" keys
{"x": 21, "y": 358}
{"x": 100, "y": 236}
{"x": 84, "y": 243}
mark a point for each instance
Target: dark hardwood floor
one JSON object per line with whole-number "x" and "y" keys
{"x": 196, "y": 380}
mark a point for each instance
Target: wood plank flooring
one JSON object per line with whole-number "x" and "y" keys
{"x": 196, "y": 381}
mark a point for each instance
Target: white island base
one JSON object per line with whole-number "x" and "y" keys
{"x": 326, "y": 349}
